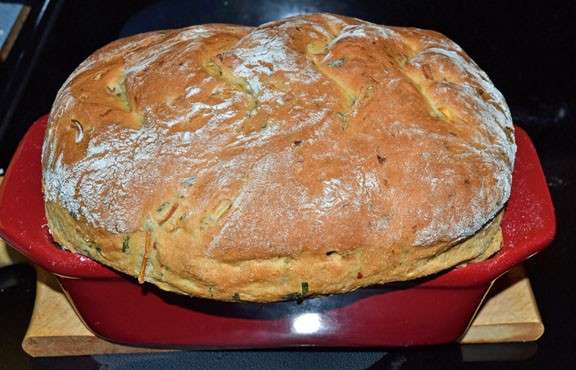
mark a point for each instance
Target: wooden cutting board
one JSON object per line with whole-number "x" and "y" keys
{"x": 509, "y": 314}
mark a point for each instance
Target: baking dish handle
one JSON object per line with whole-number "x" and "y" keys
{"x": 528, "y": 225}
{"x": 22, "y": 217}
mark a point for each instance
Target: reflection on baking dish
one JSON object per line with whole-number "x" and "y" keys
{"x": 307, "y": 323}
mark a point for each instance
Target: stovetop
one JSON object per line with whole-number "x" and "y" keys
{"x": 527, "y": 49}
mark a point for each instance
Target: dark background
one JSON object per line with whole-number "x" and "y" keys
{"x": 527, "y": 48}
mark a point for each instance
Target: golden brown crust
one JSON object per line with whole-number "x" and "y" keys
{"x": 230, "y": 161}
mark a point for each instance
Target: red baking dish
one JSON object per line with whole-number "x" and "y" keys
{"x": 428, "y": 311}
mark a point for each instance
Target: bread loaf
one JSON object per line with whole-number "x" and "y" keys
{"x": 311, "y": 155}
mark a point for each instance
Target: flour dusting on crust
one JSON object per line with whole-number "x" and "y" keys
{"x": 310, "y": 143}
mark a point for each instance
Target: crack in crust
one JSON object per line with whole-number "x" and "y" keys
{"x": 147, "y": 244}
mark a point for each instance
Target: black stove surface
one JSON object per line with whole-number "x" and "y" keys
{"x": 527, "y": 48}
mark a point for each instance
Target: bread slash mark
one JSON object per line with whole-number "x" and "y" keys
{"x": 79, "y": 130}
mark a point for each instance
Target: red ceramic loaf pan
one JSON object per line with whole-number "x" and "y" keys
{"x": 428, "y": 311}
